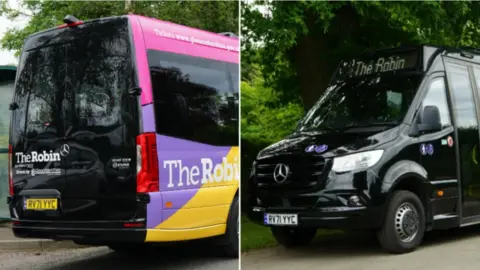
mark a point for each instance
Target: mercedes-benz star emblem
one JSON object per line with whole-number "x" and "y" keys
{"x": 65, "y": 150}
{"x": 280, "y": 173}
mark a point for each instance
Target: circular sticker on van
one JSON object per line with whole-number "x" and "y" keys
{"x": 450, "y": 141}
{"x": 430, "y": 149}
{"x": 423, "y": 149}
{"x": 321, "y": 148}
{"x": 310, "y": 148}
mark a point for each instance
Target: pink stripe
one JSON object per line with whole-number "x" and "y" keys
{"x": 165, "y": 36}
{"x": 181, "y": 47}
{"x": 176, "y": 38}
{"x": 142, "y": 62}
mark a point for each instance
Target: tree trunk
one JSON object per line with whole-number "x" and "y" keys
{"x": 129, "y": 6}
{"x": 312, "y": 66}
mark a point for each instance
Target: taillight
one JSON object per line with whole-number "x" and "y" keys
{"x": 147, "y": 163}
{"x": 10, "y": 170}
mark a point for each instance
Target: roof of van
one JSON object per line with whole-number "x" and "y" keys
{"x": 225, "y": 36}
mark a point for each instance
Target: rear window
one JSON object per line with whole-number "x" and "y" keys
{"x": 76, "y": 79}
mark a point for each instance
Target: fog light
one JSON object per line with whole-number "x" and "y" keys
{"x": 354, "y": 201}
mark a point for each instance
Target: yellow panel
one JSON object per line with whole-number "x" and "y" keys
{"x": 212, "y": 196}
{"x": 210, "y": 206}
{"x": 158, "y": 235}
{"x": 197, "y": 217}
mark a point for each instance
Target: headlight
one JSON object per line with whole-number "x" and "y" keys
{"x": 357, "y": 161}
{"x": 252, "y": 170}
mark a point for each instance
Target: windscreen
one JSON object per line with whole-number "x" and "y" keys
{"x": 74, "y": 78}
{"x": 371, "y": 90}
{"x": 373, "y": 100}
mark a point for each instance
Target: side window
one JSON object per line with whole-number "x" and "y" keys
{"x": 194, "y": 98}
{"x": 436, "y": 96}
{"x": 464, "y": 105}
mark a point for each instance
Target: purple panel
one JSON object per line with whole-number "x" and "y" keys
{"x": 154, "y": 210}
{"x": 181, "y": 172}
{"x": 148, "y": 118}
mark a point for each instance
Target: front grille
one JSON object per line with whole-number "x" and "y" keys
{"x": 304, "y": 172}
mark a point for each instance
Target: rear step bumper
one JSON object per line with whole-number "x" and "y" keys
{"x": 87, "y": 236}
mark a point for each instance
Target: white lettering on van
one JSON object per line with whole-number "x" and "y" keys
{"x": 180, "y": 175}
{"x": 382, "y": 65}
{"x": 35, "y": 157}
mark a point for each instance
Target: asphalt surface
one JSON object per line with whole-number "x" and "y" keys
{"x": 441, "y": 250}
{"x": 178, "y": 257}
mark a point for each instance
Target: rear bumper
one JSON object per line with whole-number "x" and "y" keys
{"x": 81, "y": 235}
{"x": 347, "y": 218}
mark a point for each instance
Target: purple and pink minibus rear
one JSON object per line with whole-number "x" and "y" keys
{"x": 124, "y": 131}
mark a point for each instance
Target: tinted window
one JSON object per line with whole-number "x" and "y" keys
{"x": 356, "y": 102}
{"x": 78, "y": 83}
{"x": 436, "y": 96}
{"x": 463, "y": 104}
{"x": 40, "y": 93}
{"x": 195, "y": 98}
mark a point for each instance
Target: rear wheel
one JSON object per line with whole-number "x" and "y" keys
{"x": 232, "y": 234}
{"x": 404, "y": 224}
{"x": 293, "y": 237}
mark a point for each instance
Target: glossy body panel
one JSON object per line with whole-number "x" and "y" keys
{"x": 434, "y": 175}
{"x": 89, "y": 183}
{"x": 190, "y": 204}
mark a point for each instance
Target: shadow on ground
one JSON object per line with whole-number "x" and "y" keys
{"x": 193, "y": 255}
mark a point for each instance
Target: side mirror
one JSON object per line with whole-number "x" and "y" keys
{"x": 430, "y": 120}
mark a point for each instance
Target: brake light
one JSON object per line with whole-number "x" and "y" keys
{"x": 133, "y": 225}
{"x": 147, "y": 163}
{"x": 10, "y": 170}
{"x": 73, "y": 24}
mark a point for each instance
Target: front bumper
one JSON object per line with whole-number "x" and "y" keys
{"x": 93, "y": 233}
{"x": 347, "y": 218}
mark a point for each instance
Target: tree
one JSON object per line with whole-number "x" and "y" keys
{"x": 215, "y": 16}
{"x": 303, "y": 41}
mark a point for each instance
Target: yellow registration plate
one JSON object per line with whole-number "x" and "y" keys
{"x": 41, "y": 204}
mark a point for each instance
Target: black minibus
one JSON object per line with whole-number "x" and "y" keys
{"x": 391, "y": 146}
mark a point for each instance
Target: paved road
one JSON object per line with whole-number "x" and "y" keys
{"x": 177, "y": 257}
{"x": 446, "y": 250}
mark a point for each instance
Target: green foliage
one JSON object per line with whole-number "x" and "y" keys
{"x": 215, "y": 16}
{"x": 264, "y": 120}
{"x": 304, "y": 40}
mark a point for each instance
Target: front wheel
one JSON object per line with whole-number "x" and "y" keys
{"x": 404, "y": 224}
{"x": 293, "y": 237}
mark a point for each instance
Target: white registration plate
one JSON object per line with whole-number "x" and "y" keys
{"x": 281, "y": 219}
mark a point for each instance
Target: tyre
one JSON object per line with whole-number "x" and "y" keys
{"x": 293, "y": 237}
{"x": 404, "y": 224}
{"x": 230, "y": 240}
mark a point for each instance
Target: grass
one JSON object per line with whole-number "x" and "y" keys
{"x": 256, "y": 236}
